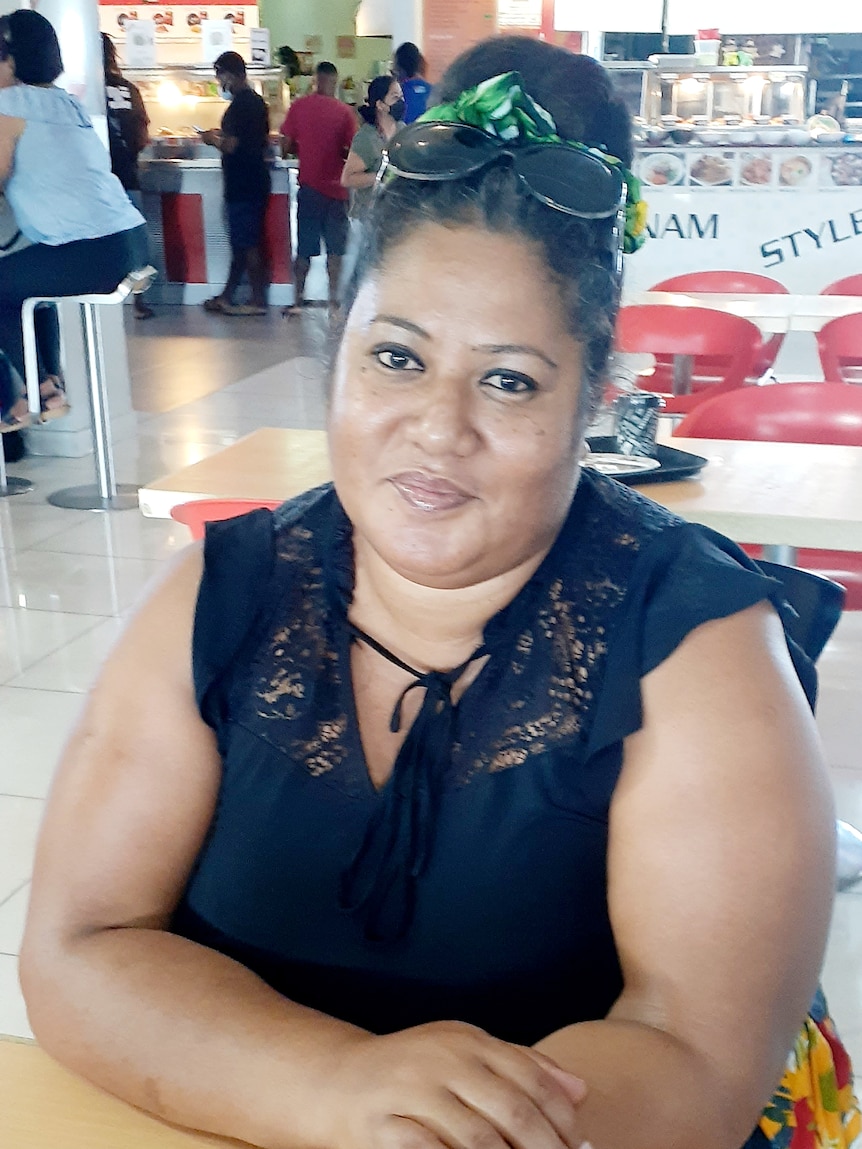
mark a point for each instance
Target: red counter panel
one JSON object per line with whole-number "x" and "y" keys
{"x": 183, "y": 227}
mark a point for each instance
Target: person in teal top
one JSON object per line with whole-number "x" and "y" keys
{"x": 85, "y": 235}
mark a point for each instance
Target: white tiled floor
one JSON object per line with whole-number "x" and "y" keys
{"x": 68, "y": 577}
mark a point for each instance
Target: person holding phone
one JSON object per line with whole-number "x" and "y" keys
{"x": 242, "y": 140}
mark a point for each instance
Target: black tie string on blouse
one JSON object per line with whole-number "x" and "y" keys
{"x": 379, "y": 885}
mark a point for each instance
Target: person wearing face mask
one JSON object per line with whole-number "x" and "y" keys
{"x": 382, "y": 112}
{"x": 319, "y": 129}
{"x": 242, "y": 141}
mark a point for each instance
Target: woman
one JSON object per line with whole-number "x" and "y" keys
{"x": 381, "y": 113}
{"x": 84, "y": 234}
{"x": 475, "y": 820}
{"x": 128, "y": 135}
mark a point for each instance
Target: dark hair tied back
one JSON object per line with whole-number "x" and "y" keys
{"x": 378, "y": 89}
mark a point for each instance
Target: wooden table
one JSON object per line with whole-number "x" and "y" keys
{"x": 773, "y": 314}
{"x": 270, "y": 459}
{"x": 790, "y": 494}
{"x": 43, "y": 1106}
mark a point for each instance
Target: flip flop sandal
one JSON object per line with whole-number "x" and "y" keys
{"x": 50, "y": 388}
{"x": 242, "y": 309}
{"x": 216, "y": 305}
{"x": 143, "y": 312}
{"x": 10, "y": 421}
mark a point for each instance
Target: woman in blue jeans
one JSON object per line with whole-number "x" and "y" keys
{"x": 85, "y": 236}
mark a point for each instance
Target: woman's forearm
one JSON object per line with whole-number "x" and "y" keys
{"x": 186, "y": 1034}
{"x": 648, "y": 1090}
{"x": 359, "y": 179}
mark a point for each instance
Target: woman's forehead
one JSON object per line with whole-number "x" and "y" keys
{"x": 457, "y": 276}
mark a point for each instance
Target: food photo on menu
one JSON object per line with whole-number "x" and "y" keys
{"x": 661, "y": 169}
{"x": 756, "y": 169}
{"x": 795, "y": 171}
{"x": 712, "y": 169}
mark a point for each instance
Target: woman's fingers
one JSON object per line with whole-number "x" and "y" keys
{"x": 574, "y": 1086}
{"x": 528, "y": 1108}
{"x": 452, "y": 1125}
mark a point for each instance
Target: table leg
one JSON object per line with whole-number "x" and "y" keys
{"x": 683, "y": 367}
{"x": 780, "y": 553}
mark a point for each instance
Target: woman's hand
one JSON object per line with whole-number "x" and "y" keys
{"x": 449, "y": 1085}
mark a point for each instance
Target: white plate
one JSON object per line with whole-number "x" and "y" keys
{"x": 607, "y": 463}
{"x": 662, "y": 169}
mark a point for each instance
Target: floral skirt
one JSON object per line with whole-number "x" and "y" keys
{"x": 814, "y": 1106}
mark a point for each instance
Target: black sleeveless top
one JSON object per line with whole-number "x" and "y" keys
{"x": 509, "y": 930}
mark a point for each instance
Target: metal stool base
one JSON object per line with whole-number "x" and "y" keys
{"x": 89, "y": 498}
{"x": 15, "y": 486}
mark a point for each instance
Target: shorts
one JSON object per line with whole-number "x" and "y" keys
{"x": 319, "y": 217}
{"x": 245, "y": 222}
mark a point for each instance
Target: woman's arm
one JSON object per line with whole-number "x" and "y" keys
{"x": 11, "y": 130}
{"x": 354, "y": 174}
{"x": 169, "y": 1025}
{"x": 183, "y": 1031}
{"x": 720, "y": 890}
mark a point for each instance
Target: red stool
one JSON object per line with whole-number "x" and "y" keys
{"x": 196, "y": 514}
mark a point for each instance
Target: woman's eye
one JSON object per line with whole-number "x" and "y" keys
{"x": 395, "y": 358}
{"x": 510, "y": 382}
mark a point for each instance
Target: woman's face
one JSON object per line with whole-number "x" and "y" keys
{"x": 454, "y": 416}
{"x": 392, "y": 97}
{"x": 7, "y": 73}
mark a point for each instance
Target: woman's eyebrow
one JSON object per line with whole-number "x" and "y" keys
{"x": 397, "y": 321}
{"x": 516, "y": 349}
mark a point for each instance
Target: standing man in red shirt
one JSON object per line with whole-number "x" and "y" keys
{"x": 319, "y": 129}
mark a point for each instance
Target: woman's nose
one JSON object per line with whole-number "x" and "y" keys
{"x": 443, "y": 422}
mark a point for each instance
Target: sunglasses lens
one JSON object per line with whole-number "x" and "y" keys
{"x": 573, "y": 181}
{"x": 440, "y": 151}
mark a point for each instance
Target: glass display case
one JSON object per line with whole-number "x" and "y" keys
{"x": 635, "y": 82}
{"x": 180, "y": 99}
{"x": 719, "y": 94}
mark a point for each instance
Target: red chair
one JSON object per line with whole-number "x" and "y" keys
{"x": 839, "y": 343}
{"x": 723, "y": 347}
{"x": 791, "y": 413}
{"x": 852, "y": 285}
{"x": 733, "y": 283}
{"x": 196, "y": 514}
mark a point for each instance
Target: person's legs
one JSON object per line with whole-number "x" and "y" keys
{"x": 333, "y": 272}
{"x": 257, "y": 276}
{"x": 335, "y": 234}
{"x": 83, "y": 267}
{"x": 235, "y": 274}
{"x": 52, "y": 390}
{"x": 47, "y": 328}
{"x": 140, "y": 309}
{"x": 13, "y": 406}
{"x": 308, "y": 228}
{"x": 245, "y": 225}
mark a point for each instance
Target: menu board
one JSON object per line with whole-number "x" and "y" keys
{"x": 791, "y": 213}
{"x": 751, "y": 169}
{"x": 519, "y": 14}
{"x": 451, "y": 26}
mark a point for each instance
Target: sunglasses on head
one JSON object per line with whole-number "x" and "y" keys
{"x": 564, "y": 178}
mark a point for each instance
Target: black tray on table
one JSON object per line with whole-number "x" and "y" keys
{"x": 673, "y": 464}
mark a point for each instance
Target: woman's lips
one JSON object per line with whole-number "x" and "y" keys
{"x": 429, "y": 493}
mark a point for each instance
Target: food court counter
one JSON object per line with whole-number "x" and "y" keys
{"x": 189, "y": 244}
{"x": 792, "y": 213}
